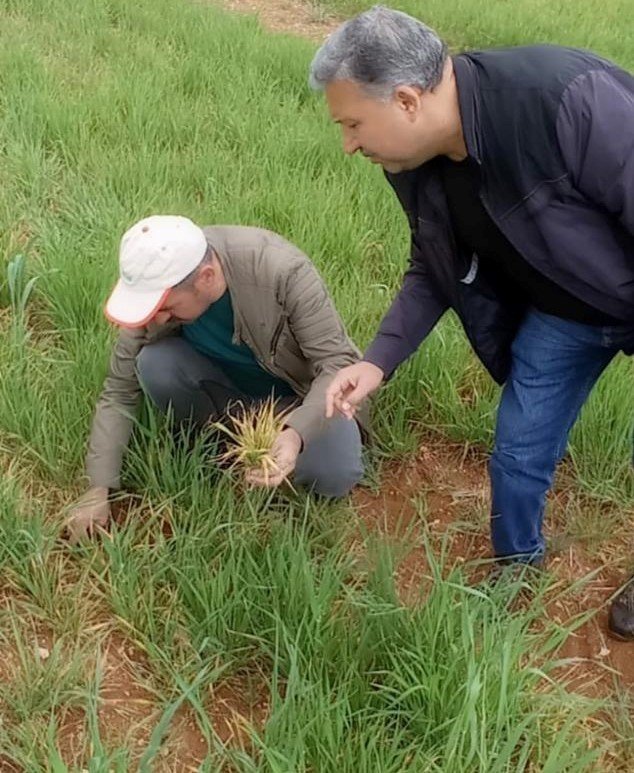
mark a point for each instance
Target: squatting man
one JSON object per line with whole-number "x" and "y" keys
{"x": 210, "y": 317}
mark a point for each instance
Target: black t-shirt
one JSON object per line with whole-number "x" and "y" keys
{"x": 512, "y": 275}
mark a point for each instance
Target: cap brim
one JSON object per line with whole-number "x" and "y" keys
{"x": 130, "y": 308}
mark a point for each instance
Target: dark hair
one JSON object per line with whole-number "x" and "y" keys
{"x": 206, "y": 260}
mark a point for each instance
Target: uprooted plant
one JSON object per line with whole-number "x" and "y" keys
{"x": 251, "y": 432}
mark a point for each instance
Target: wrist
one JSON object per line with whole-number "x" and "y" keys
{"x": 376, "y": 367}
{"x": 294, "y": 437}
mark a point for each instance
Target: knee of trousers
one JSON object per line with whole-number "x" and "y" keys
{"x": 334, "y": 479}
{"x": 153, "y": 368}
{"x": 522, "y": 463}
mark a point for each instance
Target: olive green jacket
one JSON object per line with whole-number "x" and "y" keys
{"x": 282, "y": 311}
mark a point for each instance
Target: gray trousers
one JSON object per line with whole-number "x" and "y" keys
{"x": 173, "y": 374}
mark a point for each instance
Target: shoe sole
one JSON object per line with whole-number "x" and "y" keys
{"x": 619, "y": 636}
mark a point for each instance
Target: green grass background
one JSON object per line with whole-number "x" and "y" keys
{"x": 108, "y": 115}
{"x": 109, "y": 111}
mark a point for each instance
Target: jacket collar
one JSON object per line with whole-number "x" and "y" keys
{"x": 232, "y": 281}
{"x": 466, "y": 82}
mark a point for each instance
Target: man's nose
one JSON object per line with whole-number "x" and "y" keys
{"x": 161, "y": 317}
{"x": 350, "y": 145}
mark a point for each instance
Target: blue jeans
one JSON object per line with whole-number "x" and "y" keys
{"x": 555, "y": 364}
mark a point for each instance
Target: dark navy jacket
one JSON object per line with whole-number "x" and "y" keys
{"x": 553, "y": 132}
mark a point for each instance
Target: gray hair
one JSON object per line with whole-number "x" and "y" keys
{"x": 380, "y": 49}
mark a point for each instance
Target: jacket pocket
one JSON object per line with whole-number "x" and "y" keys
{"x": 276, "y": 335}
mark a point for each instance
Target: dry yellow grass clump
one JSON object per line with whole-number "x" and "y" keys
{"x": 251, "y": 432}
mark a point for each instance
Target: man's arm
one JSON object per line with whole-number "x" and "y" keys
{"x": 109, "y": 436}
{"x": 595, "y": 130}
{"x": 412, "y": 315}
{"x": 114, "y": 415}
{"x": 322, "y": 338}
{"x": 110, "y": 433}
{"x": 409, "y": 320}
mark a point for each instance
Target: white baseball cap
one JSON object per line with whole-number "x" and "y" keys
{"x": 155, "y": 255}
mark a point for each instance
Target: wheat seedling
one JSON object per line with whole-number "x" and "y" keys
{"x": 251, "y": 432}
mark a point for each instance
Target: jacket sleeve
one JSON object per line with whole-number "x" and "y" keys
{"x": 412, "y": 315}
{"x": 322, "y": 338}
{"x": 115, "y": 412}
{"x": 595, "y": 131}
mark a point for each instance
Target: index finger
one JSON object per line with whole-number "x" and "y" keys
{"x": 76, "y": 533}
{"x": 259, "y": 480}
{"x": 330, "y": 399}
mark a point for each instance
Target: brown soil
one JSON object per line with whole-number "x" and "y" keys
{"x": 290, "y": 16}
{"x": 235, "y": 707}
{"x": 441, "y": 496}
{"x": 436, "y": 493}
{"x": 128, "y": 711}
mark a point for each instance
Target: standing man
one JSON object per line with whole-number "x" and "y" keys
{"x": 515, "y": 168}
{"x": 211, "y": 316}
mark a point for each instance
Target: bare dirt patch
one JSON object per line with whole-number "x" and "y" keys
{"x": 128, "y": 711}
{"x": 295, "y": 17}
{"x": 6, "y": 766}
{"x": 235, "y": 706}
{"x": 439, "y": 494}
{"x": 238, "y": 703}
{"x": 126, "y": 708}
{"x": 440, "y": 499}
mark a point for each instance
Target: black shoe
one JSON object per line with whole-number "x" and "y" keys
{"x": 510, "y": 572}
{"x": 621, "y": 619}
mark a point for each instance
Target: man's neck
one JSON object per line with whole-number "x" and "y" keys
{"x": 456, "y": 148}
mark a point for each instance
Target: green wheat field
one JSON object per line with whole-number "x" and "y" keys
{"x": 220, "y": 629}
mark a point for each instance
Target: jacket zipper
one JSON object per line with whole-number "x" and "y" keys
{"x": 299, "y": 388}
{"x": 277, "y": 334}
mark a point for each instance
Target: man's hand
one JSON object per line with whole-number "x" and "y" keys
{"x": 285, "y": 451}
{"x": 90, "y": 512}
{"x": 350, "y": 386}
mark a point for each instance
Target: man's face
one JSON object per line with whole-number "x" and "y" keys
{"x": 185, "y": 304}
{"x": 181, "y": 305}
{"x": 398, "y": 133}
